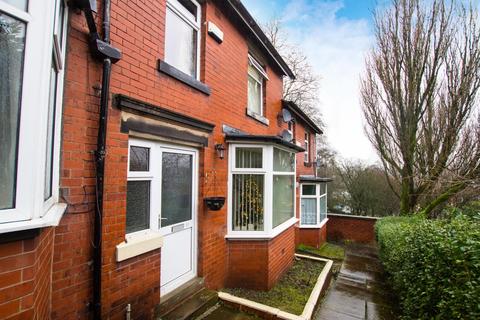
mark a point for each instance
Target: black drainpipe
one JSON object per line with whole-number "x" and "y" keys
{"x": 102, "y": 50}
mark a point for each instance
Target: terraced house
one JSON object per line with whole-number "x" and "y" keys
{"x": 145, "y": 144}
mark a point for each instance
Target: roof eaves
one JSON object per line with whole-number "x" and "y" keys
{"x": 290, "y": 105}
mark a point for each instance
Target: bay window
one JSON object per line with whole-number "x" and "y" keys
{"x": 182, "y": 36}
{"x": 261, "y": 190}
{"x": 32, "y": 55}
{"x": 313, "y": 198}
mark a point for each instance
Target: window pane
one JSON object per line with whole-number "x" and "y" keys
{"x": 247, "y": 202}
{"x": 20, "y": 4}
{"x": 180, "y": 44}
{"x": 248, "y": 158}
{"x": 323, "y": 188}
{"x": 323, "y": 208}
{"x": 177, "y": 170}
{"x": 61, "y": 22}
{"x": 254, "y": 96}
{"x": 283, "y": 187}
{"x": 138, "y": 206}
{"x": 309, "y": 190}
{"x": 50, "y": 135}
{"x": 309, "y": 211}
{"x": 283, "y": 161}
{"x": 139, "y": 159}
{"x": 12, "y": 42}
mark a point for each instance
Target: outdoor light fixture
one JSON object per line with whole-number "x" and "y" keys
{"x": 220, "y": 148}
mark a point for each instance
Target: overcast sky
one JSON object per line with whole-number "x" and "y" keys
{"x": 335, "y": 35}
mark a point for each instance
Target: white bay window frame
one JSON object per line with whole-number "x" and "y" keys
{"x": 268, "y": 172}
{"x": 31, "y": 210}
{"x": 318, "y": 196}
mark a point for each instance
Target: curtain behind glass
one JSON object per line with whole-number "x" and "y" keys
{"x": 309, "y": 211}
{"x": 247, "y": 206}
{"x": 12, "y": 40}
{"x": 248, "y": 158}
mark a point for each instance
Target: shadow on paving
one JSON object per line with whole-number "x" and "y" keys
{"x": 360, "y": 291}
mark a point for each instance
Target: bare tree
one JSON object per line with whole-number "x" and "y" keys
{"x": 419, "y": 97}
{"x": 304, "y": 89}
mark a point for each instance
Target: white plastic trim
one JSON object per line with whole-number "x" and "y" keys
{"x": 50, "y": 219}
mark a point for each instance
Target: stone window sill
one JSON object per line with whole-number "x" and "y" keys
{"x": 183, "y": 77}
{"x": 138, "y": 245}
{"x": 258, "y": 117}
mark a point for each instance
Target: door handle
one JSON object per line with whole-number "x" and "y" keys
{"x": 163, "y": 218}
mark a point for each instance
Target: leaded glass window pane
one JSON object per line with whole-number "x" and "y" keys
{"x": 283, "y": 193}
{"x": 247, "y": 202}
{"x": 138, "y": 206}
{"x": 12, "y": 45}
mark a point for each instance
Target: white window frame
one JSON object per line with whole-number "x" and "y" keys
{"x": 318, "y": 196}
{"x": 196, "y": 24}
{"x": 31, "y": 210}
{"x": 154, "y": 176}
{"x": 307, "y": 148}
{"x": 258, "y": 67}
{"x": 268, "y": 172}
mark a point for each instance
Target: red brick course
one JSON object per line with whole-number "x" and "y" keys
{"x": 314, "y": 237}
{"x": 357, "y": 229}
{"x": 258, "y": 264}
{"x": 25, "y": 277}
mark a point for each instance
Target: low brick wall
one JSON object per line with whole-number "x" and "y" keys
{"x": 342, "y": 227}
{"x": 258, "y": 264}
{"x": 314, "y": 237}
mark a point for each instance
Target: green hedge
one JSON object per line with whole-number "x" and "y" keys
{"x": 434, "y": 265}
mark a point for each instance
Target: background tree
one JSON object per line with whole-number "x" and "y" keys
{"x": 419, "y": 97}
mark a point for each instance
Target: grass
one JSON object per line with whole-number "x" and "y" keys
{"x": 292, "y": 291}
{"x": 327, "y": 250}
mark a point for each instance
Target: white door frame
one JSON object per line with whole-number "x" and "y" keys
{"x": 171, "y": 148}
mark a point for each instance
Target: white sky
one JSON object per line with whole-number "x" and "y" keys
{"x": 335, "y": 45}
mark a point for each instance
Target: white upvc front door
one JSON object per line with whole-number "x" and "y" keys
{"x": 177, "y": 216}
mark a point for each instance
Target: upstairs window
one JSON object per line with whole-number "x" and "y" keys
{"x": 32, "y": 55}
{"x": 256, "y": 79}
{"x": 307, "y": 148}
{"x": 182, "y": 36}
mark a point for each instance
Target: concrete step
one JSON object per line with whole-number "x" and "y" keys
{"x": 173, "y": 299}
{"x": 193, "y": 307}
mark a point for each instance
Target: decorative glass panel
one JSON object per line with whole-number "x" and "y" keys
{"x": 248, "y": 158}
{"x": 50, "y": 134}
{"x": 139, "y": 159}
{"x": 309, "y": 190}
{"x": 283, "y": 161}
{"x": 177, "y": 171}
{"x": 255, "y": 103}
{"x": 138, "y": 206}
{"x": 309, "y": 212}
{"x": 323, "y": 208}
{"x": 283, "y": 193}
{"x": 12, "y": 44}
{"x": 180, "y": 44}
{"x": 20, "y": 4}
{"x": 247, "y": 202}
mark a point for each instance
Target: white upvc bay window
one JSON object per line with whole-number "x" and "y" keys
{"x": 32, "y": 55}
{"x": 313, "y": 205}
{"x": 261, "y": 190}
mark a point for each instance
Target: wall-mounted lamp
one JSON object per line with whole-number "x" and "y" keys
{"x": 220, "y": 148}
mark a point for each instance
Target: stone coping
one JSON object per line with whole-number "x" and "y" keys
{"x": 351, "y": 216}
{"x": 319, "y": 288}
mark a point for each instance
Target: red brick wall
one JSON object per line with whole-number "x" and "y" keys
{"x": 138, "y": 30}
{"x": 312, "y": 237}
{"x": 259, "y": 264}
{"x": 25, "y": 277}
{"x": 357, "y": 229}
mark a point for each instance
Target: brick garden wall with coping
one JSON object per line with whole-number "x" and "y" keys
{"x": 353, "y": 228}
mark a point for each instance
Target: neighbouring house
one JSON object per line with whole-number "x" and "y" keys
{"x": 122, "y": 133}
